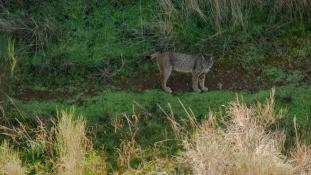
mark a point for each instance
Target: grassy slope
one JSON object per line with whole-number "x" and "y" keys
{"x": 99, "y": 34}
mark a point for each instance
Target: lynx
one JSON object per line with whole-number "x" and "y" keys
{"x": 198, "y": 65}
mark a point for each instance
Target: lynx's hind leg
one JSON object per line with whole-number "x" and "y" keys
{"x": 202, "y": 82}
{"x": 166, "y": 70}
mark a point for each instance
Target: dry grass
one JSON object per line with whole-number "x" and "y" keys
{"x": 301, "y": 159}
{"x": 225, "y": 12}
{"x": 75, "y": 152}
{"x": 128, "y": 151}
{"x": 300, "y": 155}
{"x": 36, "y": 32}
{"x": 10, "y": 163}
{"x": 194, "y": 5}
{"x": 132, "y": 157}
{"x": 72, "y": 144}
{"x": 243, "y": 147}
{"x": 167, "y": 8}
{"x": 64, "y": 151}
{"x": 10, "y": 23}
{"x": 291, "y": 8}
{"x": 165, "y": 23}
{"x": 235, "y": 13}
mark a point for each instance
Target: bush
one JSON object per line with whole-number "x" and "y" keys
{"x": 244, "y": 145}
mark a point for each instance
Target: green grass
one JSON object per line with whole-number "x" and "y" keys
{"x": 94, "y": 33}
{"x": 115, "y": 103}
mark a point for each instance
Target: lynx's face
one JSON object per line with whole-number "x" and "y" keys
{"x": 208, "y": 61}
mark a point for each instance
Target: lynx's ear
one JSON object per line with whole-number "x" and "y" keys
{"x": 203, "y": 59}
{"x": 208, "y": 57}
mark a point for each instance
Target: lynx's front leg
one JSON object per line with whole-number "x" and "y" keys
{"x": 166, "y": 72}
{"x": 195, "y": 82}
{"x": 202, "y": 82}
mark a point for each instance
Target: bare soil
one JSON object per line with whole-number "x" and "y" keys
{"x": 35, "y": 94}
{"x": 219, "y": 78}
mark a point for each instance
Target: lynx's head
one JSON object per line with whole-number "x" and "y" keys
{"x": 208, "y": 60}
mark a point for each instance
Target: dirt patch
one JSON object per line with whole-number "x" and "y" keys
{"x": 26, "y": 94}
{"x": 220, "y": 77}
{"x": 35, "y": 94}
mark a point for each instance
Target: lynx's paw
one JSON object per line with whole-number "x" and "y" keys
{"x": 205, "y": 89}
{"x": 197, "y": 90}
{"x": 168, "y": 90}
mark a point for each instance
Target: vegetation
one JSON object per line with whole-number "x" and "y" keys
{"x": 238, "y": 141}
{"x": 106, "y": 40}
{"x": 77, "y": 95}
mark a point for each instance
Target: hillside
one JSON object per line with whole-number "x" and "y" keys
{"x": 107, "y": 40}
{"x": 77, "y": 93}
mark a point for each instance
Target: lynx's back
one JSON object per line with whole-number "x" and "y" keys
{"x": 182, "y": 62}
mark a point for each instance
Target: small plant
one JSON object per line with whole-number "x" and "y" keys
{"x": 295, "y": 76}
{"x": 278, "y": 75}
